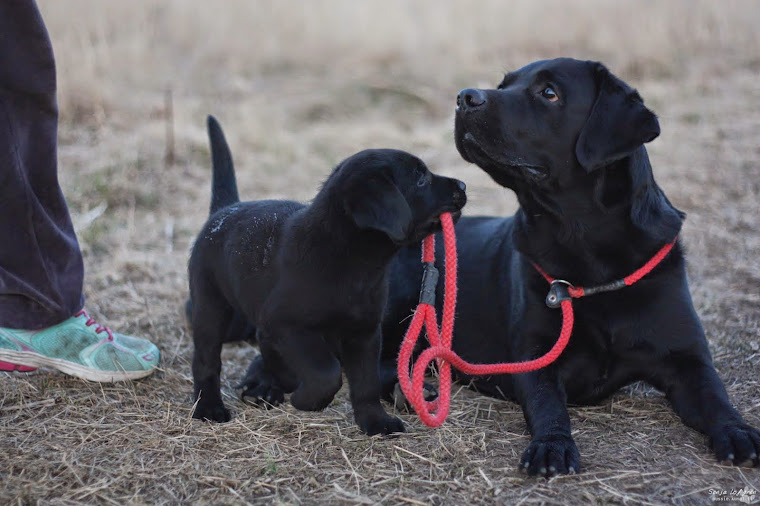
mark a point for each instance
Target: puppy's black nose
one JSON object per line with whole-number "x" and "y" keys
{"x": 459, "y": 196}
{"x": 470, "y": 98}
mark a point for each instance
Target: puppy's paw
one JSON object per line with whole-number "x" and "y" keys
{"x": 550, "y": 455}
{"x": 265, "y": 394}
{"x": 259, "y": 387}
{"x": 317, "y": 393}
{"x": 400, "y": 401}
{"x": 306, "y": 400}
{"x": 737, "y": 443}
{"x": 211, "y": 412}
{"x": 384, "y": 424}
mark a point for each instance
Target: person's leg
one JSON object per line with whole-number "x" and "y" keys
{"x": 41, "y": 267}
{"x": 41, "y": 318}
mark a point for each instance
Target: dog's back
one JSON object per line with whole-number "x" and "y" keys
{"x": 238, "y": 242}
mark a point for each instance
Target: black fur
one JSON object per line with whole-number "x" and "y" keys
{"x": 308, "y": 281}
{"x": 590, "y": 212}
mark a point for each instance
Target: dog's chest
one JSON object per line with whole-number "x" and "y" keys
{"x": 603, "y": 355}
{"x": 351, "y": 303}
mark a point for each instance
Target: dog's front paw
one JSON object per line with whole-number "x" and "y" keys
{"x": 263, "y": 394}
{"x": 737, "y": 443}
{"x": 550, "y": 455}
{"x": 213, "y": 412}
{"x": 380, "y": 424}
{"x": 261, "y": 390}
{"x": 317, "y": 393}
{"x": 260, "y": 387}
{"x": 400, "y": 401}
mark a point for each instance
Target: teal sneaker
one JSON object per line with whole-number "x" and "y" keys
{"x": 79, "y": 347}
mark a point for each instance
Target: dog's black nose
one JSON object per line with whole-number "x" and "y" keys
{"x": 470, "y": 98}
{"x": 459, "y": 196}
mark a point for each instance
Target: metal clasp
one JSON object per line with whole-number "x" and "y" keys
{"x": 558, "y": 291}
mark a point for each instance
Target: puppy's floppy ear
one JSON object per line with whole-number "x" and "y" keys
{"x": 617, "y": 125}
{"x": 380, "y": 206}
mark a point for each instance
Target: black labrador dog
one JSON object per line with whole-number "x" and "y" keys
{"x": 568, "y": 138}
{"x": 311, "y": 280}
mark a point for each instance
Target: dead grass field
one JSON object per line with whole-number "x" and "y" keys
{"x": 298, "y": 87}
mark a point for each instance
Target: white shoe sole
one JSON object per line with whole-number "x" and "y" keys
{"x": 32, "y": 359}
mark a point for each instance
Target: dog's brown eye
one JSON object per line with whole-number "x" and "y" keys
{"x": 549, "y": 94}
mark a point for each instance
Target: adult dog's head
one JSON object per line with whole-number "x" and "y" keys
{"x": 567, "y": 136}
{"x": 393, "y": 192}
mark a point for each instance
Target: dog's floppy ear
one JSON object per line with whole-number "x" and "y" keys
{"x": 380, "y": 206}
{"x": 617, "y": 125}
{"x": 651, "y": 211}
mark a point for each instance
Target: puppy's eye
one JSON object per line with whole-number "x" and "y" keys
{"x": 549, "y": 94}
{"x": 423, "y": 180}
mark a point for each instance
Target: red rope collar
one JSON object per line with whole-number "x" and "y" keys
{"x": 433, "y": 413}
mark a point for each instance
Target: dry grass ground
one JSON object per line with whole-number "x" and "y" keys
{"x": 299, "y": 86}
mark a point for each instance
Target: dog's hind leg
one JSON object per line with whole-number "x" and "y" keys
{"x": 210, "y": 320}
{"x": 240, "y": 329}
{"x": 388, "y": 382}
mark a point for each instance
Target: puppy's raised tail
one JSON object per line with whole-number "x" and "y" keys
{"x": 224, "y": 190}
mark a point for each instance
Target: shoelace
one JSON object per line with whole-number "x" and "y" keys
{"x": 91, "y": 321}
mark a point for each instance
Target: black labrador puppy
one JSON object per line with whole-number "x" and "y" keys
{"x": 568, "y": 138}
{"x": 310, "y": 279}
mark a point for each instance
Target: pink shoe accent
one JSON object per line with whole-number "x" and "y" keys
{"x": 7, "y": 366}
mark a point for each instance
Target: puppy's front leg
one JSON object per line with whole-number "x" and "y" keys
{"x": 308, "y": 356}
{"x": 552, "y": 449}
{"x": 360, "y": 355}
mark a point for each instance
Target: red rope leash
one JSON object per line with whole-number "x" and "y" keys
{"x": 433, "y": 413}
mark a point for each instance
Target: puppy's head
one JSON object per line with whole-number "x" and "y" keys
{"x": 393, "y": 192}
{"x": 551, "y": 122}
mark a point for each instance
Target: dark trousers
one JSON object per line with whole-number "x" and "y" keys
{"x": 41, "y": 267}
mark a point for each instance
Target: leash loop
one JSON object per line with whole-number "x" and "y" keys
{"x": 412, "y": 378}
